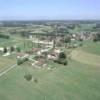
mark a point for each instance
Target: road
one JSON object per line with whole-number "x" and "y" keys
{"x": 7, "y": 70}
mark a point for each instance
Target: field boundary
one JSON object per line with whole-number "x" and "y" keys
{"x": 8, "y": 69}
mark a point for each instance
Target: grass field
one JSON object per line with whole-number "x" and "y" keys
{"x": 73, "y": 82}
{"x": 7, "y": 42}
{"x": 78, "y": 81}
{"x": 24, "y": 44}
{"x": 5, "y": 63}
{"x": 92, "y": 47}
{"x": 85, "y": 57}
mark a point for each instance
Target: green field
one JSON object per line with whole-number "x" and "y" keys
{"x": 6, "y": 63}
{"x": 24, "y": 44}
{"x": 73, "y": 82}
{"x": 79, "y": 80}
{"x": 6, "y": 42}
{"x": 92, "y": 47}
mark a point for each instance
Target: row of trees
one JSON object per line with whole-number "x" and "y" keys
{"x": 4, "y": 36}
{"x": 12, "y": 49}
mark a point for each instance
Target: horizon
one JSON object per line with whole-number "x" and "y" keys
{"x": 51, "y": 20}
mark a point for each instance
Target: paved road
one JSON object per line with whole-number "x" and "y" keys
{"x": 7, "y": 70}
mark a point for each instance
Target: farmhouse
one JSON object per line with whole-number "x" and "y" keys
{"x": 22, "y": 55}
{"x": 54, "y": 54}
{"x": 52, "y": 57}
{"x": 34, "y": 50}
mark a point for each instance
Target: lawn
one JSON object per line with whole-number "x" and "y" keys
{"x": 76, "y": 81}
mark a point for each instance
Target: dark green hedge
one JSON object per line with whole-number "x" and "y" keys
{"x": 21, "y": 61}
{"x": 4, "y": 36}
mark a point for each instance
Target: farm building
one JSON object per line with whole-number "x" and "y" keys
{"x": 22, "y": 55}
{"x": 34, "y": 50}
{"x": 54, "y": 54}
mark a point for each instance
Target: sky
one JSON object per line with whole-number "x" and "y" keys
{"x": 49, "y": 9}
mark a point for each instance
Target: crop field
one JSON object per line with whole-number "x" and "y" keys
{"x": 79, "y": 80}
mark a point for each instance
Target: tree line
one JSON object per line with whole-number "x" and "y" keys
{"x": 4, "y": 36}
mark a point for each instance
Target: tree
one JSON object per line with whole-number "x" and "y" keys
{"x": 62, "y": 55}
{"x": 61, "y": 59}
{"x": 67, "y": 40}
{"x": 12, "y": 49}
{"x": 28, "y": 77}
{"x": 96, "y": 37}
{"x": 18, "y": 49}
{"x": 5, "y": 50}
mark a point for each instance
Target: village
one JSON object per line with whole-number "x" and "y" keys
{"x": 44, "y": 48}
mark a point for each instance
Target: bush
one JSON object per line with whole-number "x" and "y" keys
{"x": 35, "y": 80}
{"x": 95, "y": 40}
{"x": 18, "y": 49}
{"x": 28, "y": 77}
{"x": 25, "y": 59}
{"x": 61, "y": 61}
{"x": 21, "y": 61}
